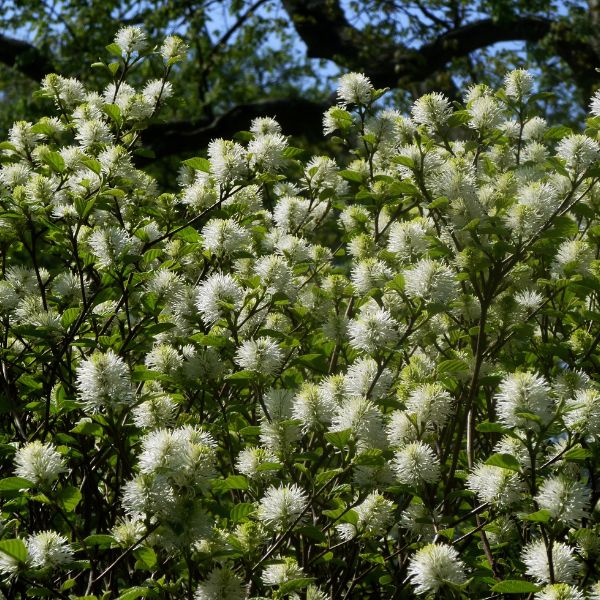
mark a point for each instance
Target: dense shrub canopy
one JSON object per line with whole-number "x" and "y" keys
{"x": 295, "y": 378}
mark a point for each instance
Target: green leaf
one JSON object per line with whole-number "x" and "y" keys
{"x": 114, "y": 49}
{"x": 241, "y": 377}
{"x": 515, "y": 586}
{"x": 14, "y": 548}
{"x": 114, "y": 112}
{"x": 101, "y": 540}
{"x": 455, "y": 365}
{"x": 55, "y": 161}
{"x": 134, "y": 592}
{"x": 14, "y": 484}
{"x": 370, "y": 458}
{"x": 198, "y": 164}
{"x": 351, "y": 176}
{"x": 540, "y": 516}
{"x": 233, "y": 482}
{"x": 577, "y": 454}
{"x": 506, "y": 461}
{"x": 487, "y": 427}
{"x": 146, "y": 555}
{"x": 69, "y": 497}
{"x": 240, "y": 512}
{"x": 339, "y": 439}
{"x": 295, "y": 584}
{"x": 70, "y": 316}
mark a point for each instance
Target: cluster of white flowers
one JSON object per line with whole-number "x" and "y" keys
{"x": 289, "y": 364}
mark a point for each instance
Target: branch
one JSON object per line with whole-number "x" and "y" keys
{"x": 327, "y": 33}
{"x": 297, "y": 116}
{"x": 25, "y": 58}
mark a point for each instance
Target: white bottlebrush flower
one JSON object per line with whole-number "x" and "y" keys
{"x": 173, "y": 48}
{"x": 574, "y": 257}
{"x": 485, "y": 113}
{"x": 164, "y": 359}
{"x": 416, "y": 463}
{"x": 435, "y": 566}
{"x": 402, "y": 428}
{"x": 498, "y": 486}
{"x": 535, "y": 128}
{"x": 201, "y": 193}
{"x": 363, "y": 419}
{"x": 155, "y": 91}
{"x": 408, "y": 238}
{"x": 374, "y": 329}
{"x": 375, "y": 516}
{"x": 91, "y": 132}
{"x": 364, "y": 378}
{"x": 430, "y": 403}
{"x": 582, "y": 413}
{"x": 48, "y": 549}
{"x": 157, "y": 411}
{"x": 128, "y": 531}
{"x": 216, "y": 294}
{"x": 249, "y": 461}
{"x": 264, "y": 126}
{"x": 266, "y": 152}
{"x": 336, "y": 118}
{"x": 420, "y": 521}
{"x": 370, "y": 273}
{"x": 312, "y": 408}
{"x": 103, "y": 381}
{"x": 518, "y": 84}
{"x": 39, "y": 463}
{"x": 131, "y": 39}
{"x": 430, "y": 280}
{"x": 578, "y": 151}
{"x": 355, "y": 88}
{"x": 225, "y": 236}
{"x": 228, "y": 161}
{"x": 282, "y": 506}
{"x": 21, "y": 136}
{"x": 111, "y": 244}
{"x": 564, "y": 562}
{"x": 262, "y": 355}
{"x": 275, "y": 274}
{"x": 523, "y": 393}
{"x": 281, "y": 572}
{"x": 567, "y": 500}
{"x": 432, "y": 110}
{"x": 221, "y": 584}
{"x": 560, "y": 591}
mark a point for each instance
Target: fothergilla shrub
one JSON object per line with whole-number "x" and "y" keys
{"x": 297, "y": 377}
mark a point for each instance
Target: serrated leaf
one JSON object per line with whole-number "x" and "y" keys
{"x": 69, "y": 497}
{"x": 295, "y": 584}
{"x": 198, "y": 164}
{"x": 14, "y": 484}
{"x": 233, "y": 482}
{"x": 70, "y": 316}
{"x": 339, "y": 439}
{"x": 577, "y": 454}
{"x": 100, "y": 540}
{"x": 114, "y": 49}
{"x": 351, "y": 176}
{"x": 240, "y": 512}
{"x": 487, "y": 427}
{"x": 15, "y": 548}
{"x": 146, "y": 555}
{"x": 515, "y": 586}
{"x": 506, "y": 461}
{"x": 55, "y": 161}
{"x": 539, "y": 516}
{"x": 134, "y": 592}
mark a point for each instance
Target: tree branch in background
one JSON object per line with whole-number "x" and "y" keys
{"x": 297, "y": 116}
{"x": 25, "y": 58}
